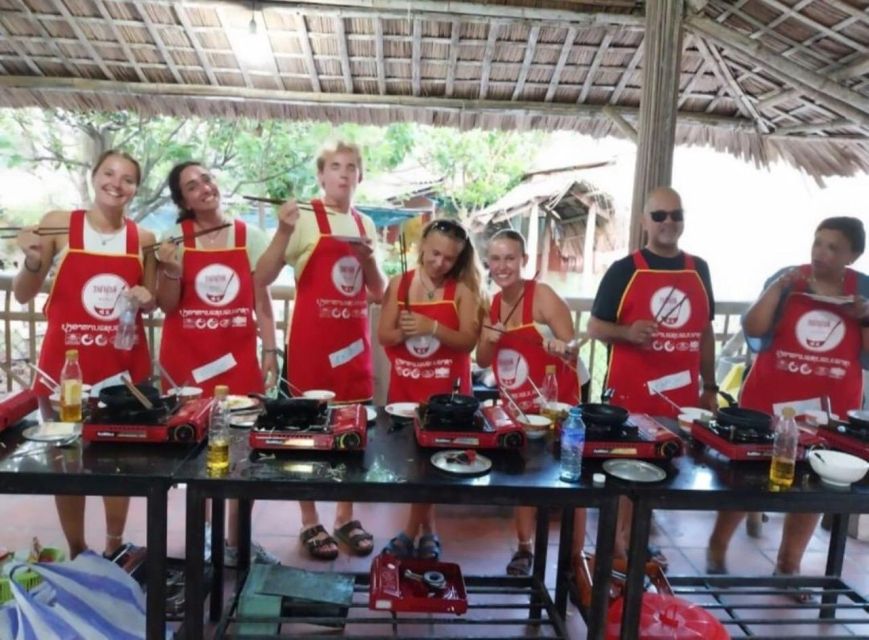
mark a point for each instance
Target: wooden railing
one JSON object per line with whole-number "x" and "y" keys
{"x": 23, "y": 327}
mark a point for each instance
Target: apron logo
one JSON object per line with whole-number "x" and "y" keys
{"x": 512, "y": 368}
{"x": 820, "y": 331}
{"x": 422, "y": 346}
{"x": 217, "y": 285}
{"x": 347, "y": 276}
{"x": 101, "y": 294}
{"x": 670, "y": 307}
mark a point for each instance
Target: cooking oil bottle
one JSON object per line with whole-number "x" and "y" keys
{"x": 549, "y": 391}
{"x": 784, "y": 451}
{"x": 217, "y": 456}
{"x": 70, "y": 388}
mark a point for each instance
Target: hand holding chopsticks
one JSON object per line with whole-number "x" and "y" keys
{"x": 39, "y": 231}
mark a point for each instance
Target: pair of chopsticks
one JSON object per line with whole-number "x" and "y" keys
{"x": 277, "y": 201}
{"x": 518, "y": 302}
{"x": 402, "y": 243}
{"x": 52, "y": 383}
{"x": 138, "y": 395}
{"x": 182, "y": 238}
{"x": 514, "y": 403}
{"x": 40, "y": 231}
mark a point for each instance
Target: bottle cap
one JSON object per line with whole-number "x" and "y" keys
{"x": 221, "y": 391}
{"x": 550, "y": 368}
{"x": 598, "y": 480}
{"x": 788, "y": 412}
{"x": 72, "y": 353}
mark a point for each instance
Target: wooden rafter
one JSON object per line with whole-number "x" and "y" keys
{"x": 802, "y": 129}
{"x": 621, "y": 124}
{"x": 595, "y": 63}
{"x": 380, "y": 58}
{"x": 305, "y": 43}
{"x": 79, "y": 34}
{"x": 559, "y": 66}
{"x": 626, "y": 74}
{"x": 158, "y": 41}
{"x": 45, "y": 36}
{"x": 455, "y": 32}
{"x": 856, "y": 68}
{"x": 686, "y": 94}
{"x": 530, "y": 49}
{"x": 488, "y": 56}
{"x": 22, "y": 53}
{"x": 181, "y": 12}
{"x": 341, "y": 37}
{"x": 416, "y": 57}
{"x": 792, "y": 12}
{"x": 131, "y": 58}
{"x": 221, "y": 16}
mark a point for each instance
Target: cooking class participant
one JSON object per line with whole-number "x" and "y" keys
{"x": 429, "y": 325}
{"x": 213, "y": 309}
{"x": 98, "y": 260}
{"x": 537, "y": 333}
{"x": 654, "y": 308}
{"x": 810, "y": 353}
{"x": 331, "y": 247}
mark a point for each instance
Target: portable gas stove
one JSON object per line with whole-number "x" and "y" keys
{"x": 15, "y": 406}
{"x": 845, "y": 437}
{"x": 747, "y": 444}
{"x": 409, "y": 584}
{"x": 488, "y": 428}
{"x": 163, "y": 423}
{"x": 302, "y": 423}
{"x": 639, "y": 437}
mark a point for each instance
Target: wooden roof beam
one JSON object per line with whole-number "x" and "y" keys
{"x": 158, "y": 41}
{"x": 47, "y": 40}
{"x": 595, "y": 63}
{"x": 626, "y": 74}
{"x": 305, "y": 42}
{"x": 559, "y": 66}
{"x": 131, "y": 57}
{"x": 341, "y": 36}
{"x": 380, "y": 58}
{"x": 621, "y": 124}
{"x": 792, "y": 12}
{"x": 233, "y": 43}
{"x": 22, "y": 53}
{"x": 181, "y": 12}
{"x": 79, "y": 34}
{"x": 858, "y": 67}
{"x": 415, "y": 57}
{"x": 842, "y": 100}
{"x": 530, "y": 48}
{"x": 455, "y": 32}
{"x": 488, "y": 55}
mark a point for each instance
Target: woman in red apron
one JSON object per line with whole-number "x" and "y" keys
{"x": 520, "y": 346}
{"x": 213, "y": 310}
{"x": 428, "y": 326}
{"x": 337, "y": 275}
{"x": 99, "y": 260}
{"x": 813, "y": 353}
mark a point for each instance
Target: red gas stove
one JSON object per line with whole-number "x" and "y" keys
{"x": 640, "y": 437}
{"x": 163, "y": 423}
{"x": 408, "y": 584}
{"x": 747, "y": 444}
{"x": 16, "y": 405}
{"x": 306, "y": 424}
{"x": 844, "y": 437}
{"x": 490, "y": 428}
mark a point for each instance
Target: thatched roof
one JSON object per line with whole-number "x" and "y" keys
{"x": 765, "y": 79}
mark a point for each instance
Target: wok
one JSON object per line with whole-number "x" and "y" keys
{"x": 119, "y": 397}
{"x": 739, "y": 418}
{"x": 454, "y": 406}
{"x": 603, "y": 414}
{"x": 859, "y": 419}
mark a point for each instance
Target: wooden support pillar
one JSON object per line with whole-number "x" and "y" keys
{"x": 657, "y": 124}
{"x": 532, "y": 241}
{"x": 588, "y": 250}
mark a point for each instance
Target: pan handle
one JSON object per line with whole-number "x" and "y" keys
{"x": 730, "y": 399}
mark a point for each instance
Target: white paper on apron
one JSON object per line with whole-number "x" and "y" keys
{"x": 214, "y": 368}
{"x": 800, "y": 406}
{"x": 345, "y": 355}
{"x": 669, "y": 382}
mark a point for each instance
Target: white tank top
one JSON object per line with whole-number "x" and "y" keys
{"x": 95, "y": 242}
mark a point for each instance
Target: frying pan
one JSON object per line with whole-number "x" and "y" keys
{"x": 859, "y": 419}
{"x": 455, "y": 406}
{"x": 603, "y": 414}
{"x": 739, "y": 418}
{"x": 119, "y": 397}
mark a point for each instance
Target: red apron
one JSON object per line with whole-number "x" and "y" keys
{"x": 520, "y": 357}
{"x": 677, "y": 301}
{"x": 815, "y": 352}
{"x": 422, "y": 366}
{"x": 330, "y": 338}
{"x": 82, "y": 311}
{"x": 210, "y": 337}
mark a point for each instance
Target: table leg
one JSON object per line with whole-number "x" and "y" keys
{"x": 194, "y": 592}
{"x": 603, "y": 567}
{"x": 244, "y": 533}
{"x": 640, "y": 527}
{"x": 218, "y": 534}
{"x": 565, "y": 551}
{"x": 156, "y": 541}
{"x": 835, "y": 559}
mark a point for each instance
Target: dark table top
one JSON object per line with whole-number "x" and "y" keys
{"x": 393, "y": 468}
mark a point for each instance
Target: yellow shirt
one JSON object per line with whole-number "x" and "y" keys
{"x": 256, "y": 242}
{"x": 307, "y": 233}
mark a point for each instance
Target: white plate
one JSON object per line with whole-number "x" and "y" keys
{"x": 53, "y": 431}
{"x": 634, "y": 470}
{"x": 239, "y": 403}
{"x": 245, "y": 421}
{"x": 457, "y": 461}
{"x": 370, "y": 414}
{"x": 402, "y": 409}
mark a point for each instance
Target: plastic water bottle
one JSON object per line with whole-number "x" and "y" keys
{"x": 572, "y": 443}
{"x": 125, "y": 338}
{"x": 217, "y": 455}
{"x": 784, "y": 450}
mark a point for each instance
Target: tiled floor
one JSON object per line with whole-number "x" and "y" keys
{"x": 479, "y": 539}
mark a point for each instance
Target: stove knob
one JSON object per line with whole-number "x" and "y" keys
{"x": 182, "y": 433}
{"x": 512, "y": 440}
{"x": 668, "y": 450}
{"x": 348, "y": 441}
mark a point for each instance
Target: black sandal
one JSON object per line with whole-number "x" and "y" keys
{"x": 314, "y": 542}
{"x": 429, "y": 547}
{"x": 361, "y": 542}
{"x": 521, "y": 563}
{"x": 401, "y": 546}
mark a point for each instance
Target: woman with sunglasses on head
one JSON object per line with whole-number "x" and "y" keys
{"x": 214, "y": 311}
{"x": 429, "y": 325}
{"x": 520, "y": 345}
{"x": 810, "y": 353}
{"x": 96, "y": 261}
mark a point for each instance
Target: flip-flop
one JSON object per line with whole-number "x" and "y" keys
{"x": 401, "y": 546}
{"x": 356, "y": 541}
{"x": 429, "y": 547}
{"x": 800, "y": 595}
{"x": 314, "y": 542}
{"x": 520, "y": 564}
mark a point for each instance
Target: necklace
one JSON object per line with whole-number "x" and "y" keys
{"x": 106, "y": 238}
{"x": 429, "y": 293}
{"x": 212, "y": 239}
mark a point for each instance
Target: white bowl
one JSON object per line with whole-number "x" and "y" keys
{"x": 54, "y": 398}
{"x": 319, "y": 394}
{"x": 837, "y": 468}
{"x": 696, "y": 413}
{"x": 186, "y": 394}
{"x": 535, "y": 426}
{"x": 686, "y": 422}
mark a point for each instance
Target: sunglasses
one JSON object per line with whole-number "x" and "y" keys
{"x": 676, "y": 215}
{"x": 447, "y": 226}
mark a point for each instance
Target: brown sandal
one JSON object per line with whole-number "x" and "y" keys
{"x": 352, "y": 534}
{"x": 315, "y": 538}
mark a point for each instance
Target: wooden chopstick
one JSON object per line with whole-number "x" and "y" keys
{"x": 36, "y": 229}
{"x": 277, "y": 201}
{"x": 177, "y": 239}
{"x": 136, "y": 393}
{"x": 403, "y": 248}
{"x": 518, "y": 302}
{"x": 48, "y": 232}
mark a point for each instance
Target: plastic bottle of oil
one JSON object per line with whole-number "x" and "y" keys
{"x": 217, "y": 455}
{"x": 70, "y": 388}
{"x": 784, "y": 451}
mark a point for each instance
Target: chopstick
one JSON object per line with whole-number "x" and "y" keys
{"x": 45, "y": 231}
{"x": 291, "y": 386}
{"x": 278, "y": 201}
{"x": 136, "y": 393}
{"x": 664, "y": 303}
{"x": 35, "y": 230}
{"x": 667, "y": 316}
{"x": 543, "y": 399}
{"x": 514, "y": 403}
{"x": 402, "y": 243}
{"x": 45, "y": 376}
{"x": 168, "y": 377}
{"x": 518, "y": 302}
{"x": 177, "y": 239}
{"x": 670, "y": 402}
